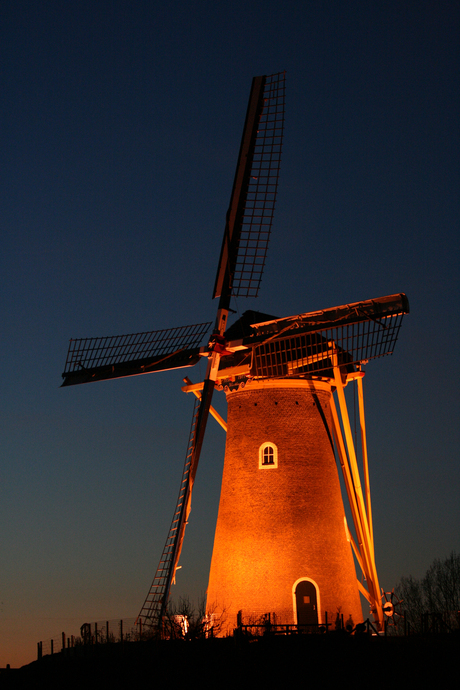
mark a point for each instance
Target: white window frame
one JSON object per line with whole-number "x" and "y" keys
{"x": 272, "y": 465}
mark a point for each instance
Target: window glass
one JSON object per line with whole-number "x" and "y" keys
{"x": 268, "y": 456}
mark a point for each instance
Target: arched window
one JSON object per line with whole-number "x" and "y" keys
{"x": 268, "y": 456}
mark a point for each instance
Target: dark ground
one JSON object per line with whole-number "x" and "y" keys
{"x": 381, "y": 662}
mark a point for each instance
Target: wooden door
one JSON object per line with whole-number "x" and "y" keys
{"x": 306, "y": 603}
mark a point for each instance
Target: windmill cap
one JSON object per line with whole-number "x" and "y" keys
{"x": 242, "y": 327}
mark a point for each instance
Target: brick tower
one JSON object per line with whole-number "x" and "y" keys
{"x": 280, "y": 545}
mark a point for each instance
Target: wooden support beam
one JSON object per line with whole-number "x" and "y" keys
{"x": 196, "y": 389}
{"x": 348, "y": 460}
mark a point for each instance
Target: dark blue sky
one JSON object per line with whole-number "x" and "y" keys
{"x": 120, "y": 128}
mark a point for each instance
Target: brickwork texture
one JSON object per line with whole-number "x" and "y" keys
{"x": 277, "y": 526}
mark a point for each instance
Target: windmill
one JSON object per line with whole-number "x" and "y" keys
{"x": 282, "y": 543}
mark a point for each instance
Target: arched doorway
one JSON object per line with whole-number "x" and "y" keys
{"x": 306, "y": 602}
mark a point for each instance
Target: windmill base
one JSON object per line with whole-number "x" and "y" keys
{"x": 281, "y": 545}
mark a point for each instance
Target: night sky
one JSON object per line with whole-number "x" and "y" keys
{"x": 120, "y": 128}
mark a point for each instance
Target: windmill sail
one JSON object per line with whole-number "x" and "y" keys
{"x": 252, "y": 203}
{"x": 156, "y": 601}
{"x": 372, "y": 309}
{"x": 112, "y": 357}
{"x": 306, "y": 343}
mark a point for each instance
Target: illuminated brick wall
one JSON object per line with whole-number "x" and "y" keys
{"x": 279, "y": 525}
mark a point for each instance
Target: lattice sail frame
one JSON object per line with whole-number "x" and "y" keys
{"x": 155, "y": 605}
{"x": 352, "y": 333}
{"x": 252, "y": 201}
{"x": 312, "y": 352}
{"x": 90, "y": 353}
{"x": 258, "y": 205}
{"x": 94, "y": 359}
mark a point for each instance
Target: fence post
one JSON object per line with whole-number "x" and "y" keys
{"x": 107, "y": 631}
{"x": 95, "y": 633}
{"x": 63, "y": 642}
{"x": 39, "y": 650}
{"x": 52, "y": 646}
{"x": 121, "y": 629}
